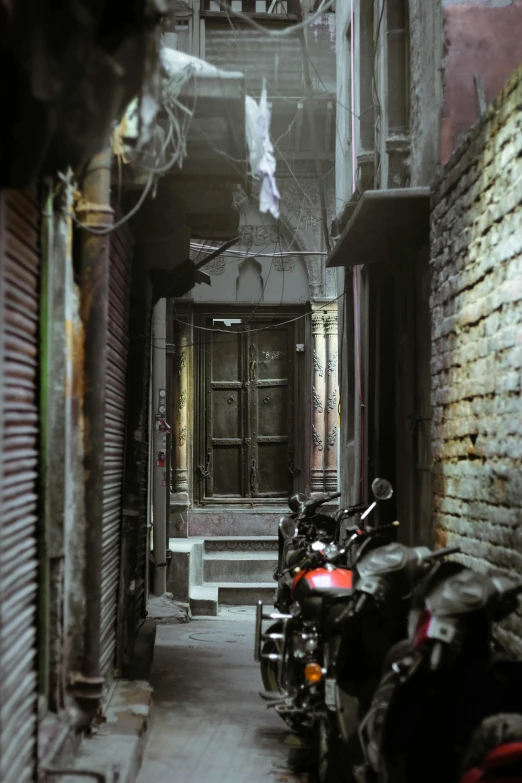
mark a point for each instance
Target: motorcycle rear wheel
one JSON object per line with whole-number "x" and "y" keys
{"x": 271, "y": 682}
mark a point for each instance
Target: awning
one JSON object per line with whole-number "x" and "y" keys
{"x": 383, "y": 224}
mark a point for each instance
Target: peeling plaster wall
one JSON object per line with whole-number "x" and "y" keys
{"x": 481, "y": 37}
{"x": 477, "y": 345}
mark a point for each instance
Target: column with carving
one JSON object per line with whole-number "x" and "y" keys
{"x": 181, "y": 391}
{"x": 318, "y": 401}
{"x": 330, "y": 323}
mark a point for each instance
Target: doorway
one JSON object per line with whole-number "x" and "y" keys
{"x": 250, "y": 428}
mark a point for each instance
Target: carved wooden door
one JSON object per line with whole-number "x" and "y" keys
{"x": 249, "y": 414}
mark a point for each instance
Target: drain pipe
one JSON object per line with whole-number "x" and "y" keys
{"x": 159, "y": 455}
{"x": 94, "y": 211}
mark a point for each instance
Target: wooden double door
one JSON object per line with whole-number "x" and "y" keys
{"x": 250, "y": 411}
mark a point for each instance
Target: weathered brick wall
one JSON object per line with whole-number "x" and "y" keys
{"x": 476, "y": 305}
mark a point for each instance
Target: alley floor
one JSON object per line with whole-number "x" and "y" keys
{"x": 209, "y": 724}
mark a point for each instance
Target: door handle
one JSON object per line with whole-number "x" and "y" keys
{"x": 253, "y": 478}
{"x": 253, "y": 363}
{"x": 293, "y": 471}
{"x": 201, "y": 469}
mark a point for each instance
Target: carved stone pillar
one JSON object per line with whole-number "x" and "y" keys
{"x": 180, "y": 427}
{"x": 330, "y": 322}
{"x": 318, "y": 401}
{"x": 180, "y": 412}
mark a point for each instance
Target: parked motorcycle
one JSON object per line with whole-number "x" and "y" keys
{"x": 297, "y": 651}
{"x": 307, "y": 524}
{"x": 447, "y": 684}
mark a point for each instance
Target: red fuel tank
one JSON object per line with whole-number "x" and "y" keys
{"x": 305, "y": 582}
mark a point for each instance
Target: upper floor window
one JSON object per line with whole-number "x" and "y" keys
{"x": 398, "y": 66}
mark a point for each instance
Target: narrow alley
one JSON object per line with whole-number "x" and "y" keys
{"x": 209, "y": 724}
{"x": 260, "y": 391}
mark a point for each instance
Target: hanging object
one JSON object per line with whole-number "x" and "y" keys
{"x": 262, "y": 160}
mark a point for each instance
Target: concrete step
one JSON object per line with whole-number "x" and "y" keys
{"x": 203, "y": 600}
{"x": 245, "y": 594}
{"x": 240, "y": 544}
{"x": 239, "y": 566}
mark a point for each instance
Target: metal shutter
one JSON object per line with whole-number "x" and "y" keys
{"x": 121, "y": 252}
{"x": 142, "y": 549}
{"x": 19, "y": 314}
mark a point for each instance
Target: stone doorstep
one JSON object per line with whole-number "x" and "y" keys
{"x": 116, "y": 749}
{"x": 206, "y": 599}
{"x": 241, "y": 566}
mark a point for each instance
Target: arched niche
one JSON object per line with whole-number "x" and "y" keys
{"x": 284, "y": 280}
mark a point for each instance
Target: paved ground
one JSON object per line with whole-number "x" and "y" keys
{"x": 210, "y": 725}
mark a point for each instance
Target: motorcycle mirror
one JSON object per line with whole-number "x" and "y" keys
{"x": 318, "y": 546}
{"x": 382, "y": 489}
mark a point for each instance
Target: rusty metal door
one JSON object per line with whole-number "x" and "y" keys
{"x": 19, "y": 314}
{"x": 248, "y": 393}
{"x": 121, "y": 252}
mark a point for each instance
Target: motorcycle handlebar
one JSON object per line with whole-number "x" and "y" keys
{"x": 439, "y": 553}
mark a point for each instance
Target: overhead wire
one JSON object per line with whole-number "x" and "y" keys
{"x": 286, "y": 31}
{"x": 260, "y": 329}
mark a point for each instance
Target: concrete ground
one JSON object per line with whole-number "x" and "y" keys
{"x": 209, "y": 724}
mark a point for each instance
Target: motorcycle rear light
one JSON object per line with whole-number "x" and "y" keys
{"x": 313, "y": 672}
{"x": 421, "y": 634}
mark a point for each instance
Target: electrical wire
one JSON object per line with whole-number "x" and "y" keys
{"x": 261, "y": 329}
{"x": 281, "y": 254}
{"x": 177, "y": 133}
{"x": 286, "y": 31}
{"x": 113, "y": 227}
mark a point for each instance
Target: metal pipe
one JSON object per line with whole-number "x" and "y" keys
{"x": 159, "y": 406}
{"x": 94, "y": 211}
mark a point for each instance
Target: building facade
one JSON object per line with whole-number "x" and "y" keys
{"x": 412, "y": 78}
{"x": 254, "y": 356}
{"x": 83, "y": 260}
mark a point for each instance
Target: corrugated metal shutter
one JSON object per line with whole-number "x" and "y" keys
{"x": 121, "y": 251}
{"x": 142, "y": 550}
{"x": 19, "y": 313}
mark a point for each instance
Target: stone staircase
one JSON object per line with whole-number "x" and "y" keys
{"x": 232, "y": 570}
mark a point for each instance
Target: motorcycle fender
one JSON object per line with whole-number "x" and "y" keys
{"x": 347, "y": 713}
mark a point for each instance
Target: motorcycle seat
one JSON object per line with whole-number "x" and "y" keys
{"x": 321, "y": 599}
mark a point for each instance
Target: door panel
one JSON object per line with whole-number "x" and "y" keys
{"x": 226, "y": 357}
{"x": 248, "y": 416}
{"x": 273, "y": 474}
{"x": 272, "y": 351}
{"x": 272, "y": 407}
{"x": 226, "y": 413}
{"x": 226, "y": 471}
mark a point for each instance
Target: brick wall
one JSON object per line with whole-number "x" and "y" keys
{"x": 476, "y": 310}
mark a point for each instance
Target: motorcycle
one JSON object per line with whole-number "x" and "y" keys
{"x": 297, "y": 651}
{"x": 307, "y": 524}
{"x": 447, "y": 682}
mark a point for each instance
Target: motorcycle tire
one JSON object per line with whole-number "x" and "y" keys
{"x": 328, "y": 748}
{"x": 271, "y": 682}
{"x": 496, "y": 730}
